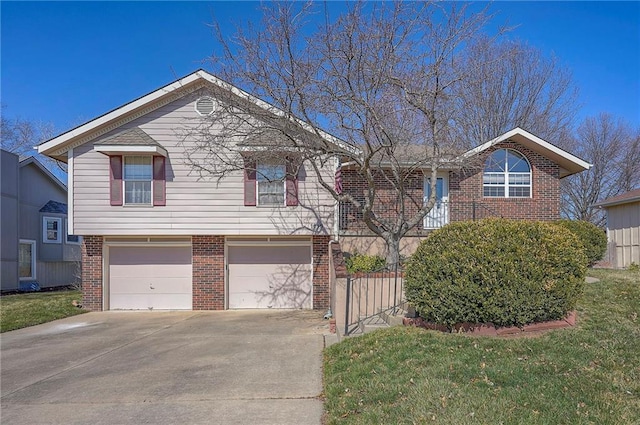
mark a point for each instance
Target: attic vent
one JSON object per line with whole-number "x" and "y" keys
{"x": 205, "y": 106}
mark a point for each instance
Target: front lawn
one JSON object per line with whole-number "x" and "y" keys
{"x": 22, "y": 310}
{"x": 585, "y": 375}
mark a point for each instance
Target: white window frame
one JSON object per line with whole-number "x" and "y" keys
{"x": 33, "y": 259}
{"x": 125, "y": 180}
{"x": 45, "y": 239}
{"x": 67, "y": 234}
{"x": 505, "y": 175}
{"x": 284, "y": 183}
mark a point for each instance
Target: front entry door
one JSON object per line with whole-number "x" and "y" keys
{"x": 439, "y": 214}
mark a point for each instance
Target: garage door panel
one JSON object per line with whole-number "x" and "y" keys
{"x": 270, "y": 277}
{"x": 144, "y": 277}
{"x": 148, "y": 302}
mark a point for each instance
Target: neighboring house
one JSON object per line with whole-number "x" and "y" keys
{"x": 37, "y": 252}
{"x": 623, "y": 228}
{"x": 158, "y": 236}
{"x": 516, "y": 175}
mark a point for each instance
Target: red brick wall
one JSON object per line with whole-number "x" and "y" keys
{"x": 465, "y": 189}
{"x": 208, "y": 272}
{"x": 92, "y": 273}
{"x": 321, "y": 278}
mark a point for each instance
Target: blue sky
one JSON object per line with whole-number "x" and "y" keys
{"x": 68, "y": 62}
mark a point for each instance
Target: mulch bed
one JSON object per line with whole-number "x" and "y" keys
{"x": 488, "y": 329}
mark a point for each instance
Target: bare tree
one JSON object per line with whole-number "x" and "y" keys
{"x": 614, "y": 150}
{"x": 511, "y": 84}
{"x": 19, "y": 136}
{"x": 381, "y": 77}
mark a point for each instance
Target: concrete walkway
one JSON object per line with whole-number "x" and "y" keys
{"x": 232, "y": 367}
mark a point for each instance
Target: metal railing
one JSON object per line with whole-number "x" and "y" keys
{"x": 350, "y": 218}
{"x": 371, "y": 296}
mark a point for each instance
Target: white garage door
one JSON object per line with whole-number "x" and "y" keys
{"x": 270, "y": 276}
{"x": 144, "y": 278}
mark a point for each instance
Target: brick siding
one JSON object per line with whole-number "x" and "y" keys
{"x": 466, "y": 199}
{"x": 208, "y": 272}
{"x": 92, "y": 273}
{"x": 321, "y": 278}
{"x": 466, "y": 190}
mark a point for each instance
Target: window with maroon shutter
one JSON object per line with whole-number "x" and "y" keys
{"x": 249, "y": 182}
{"x": 115, "y": 180}
{"x": 159, "y": 181}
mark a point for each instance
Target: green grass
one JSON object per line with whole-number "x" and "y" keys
{"x": 23, "y": 310}
{"x": 589, "y": 374}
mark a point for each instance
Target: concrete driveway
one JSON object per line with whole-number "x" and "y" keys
{"x": 231, "y": 367}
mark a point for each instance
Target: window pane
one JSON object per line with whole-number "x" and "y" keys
{"x": 271, "y": 193}
{"x": 519, "y": 192}
{"x": 493, "y": 178}
{"x": 517, "y": 163}
{"x": 137, "y": 168}
{"x": 496, "y": 162}
{"x": 496, "y": 191}
{"x": 137, "y": 192}
{"x": 24, "y": 260}
{"x": 519, "y": 179}
{"x": 270, "y": 172}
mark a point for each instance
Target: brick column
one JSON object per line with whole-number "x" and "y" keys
{"x": 208, "y": 272}
{"x": 92, "y": 273}
{"x": 321, "y": 278}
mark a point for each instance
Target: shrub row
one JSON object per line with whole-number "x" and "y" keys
{"x": 509, "y": 273}
{"x": 593, "y": 240}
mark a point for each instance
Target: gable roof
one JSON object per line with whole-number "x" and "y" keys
{"x": 33, "y": 161}
{"x": 625, "y": 198}
{"x": 54, "y": 207}
{"x": 58, "y": 146}
{"x": 569, "y": 164}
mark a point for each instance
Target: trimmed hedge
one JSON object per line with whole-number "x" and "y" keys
{"x": 592, "y": 238}
{"x": 508, "y": 273}
{"x": 364, "y": 263}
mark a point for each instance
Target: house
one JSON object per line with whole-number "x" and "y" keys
{"x": 516, "y": 175}
{"x": 158, "y": 234}
{"x": 623, "y": 228}
{"x": 37, "y": 251}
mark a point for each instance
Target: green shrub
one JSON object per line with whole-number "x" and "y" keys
{"x": 592, "y": 238}
{"x": 363, "y": 263}
{"x": 509, "y": 273}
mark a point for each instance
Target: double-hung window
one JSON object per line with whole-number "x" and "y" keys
{"x": 51, "y": 230}
{"x": 507, "y": 174}
{"x": 270, "y": 179}
{"x": 137, "y": 177}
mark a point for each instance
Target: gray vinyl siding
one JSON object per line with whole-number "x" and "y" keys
{"x": 193, "y": 205}
{"x": 8, "y": 221}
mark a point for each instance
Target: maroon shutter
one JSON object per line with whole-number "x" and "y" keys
{"x": 292, "y": 183}
{"x": 249, "y": 182}
{"x": 159, "y": 181}
{"x": 115, "y": 180}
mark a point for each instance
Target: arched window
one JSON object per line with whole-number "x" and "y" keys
{"x": 507, "y": 174}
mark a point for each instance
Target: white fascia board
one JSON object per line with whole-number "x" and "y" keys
{"x": 91, "y": 125}
{"x": 542, "y": 143}
{"x": 277, "y": 111}
{"x": 130, "y": 149}
{"x": 70, "y": 192}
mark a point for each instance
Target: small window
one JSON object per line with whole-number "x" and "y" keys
{"x": 72, "y": 239}
{"x": 205, "y": 106}
{"x": 507, "y": 174}
{"x": 27, "y": 259}
{"x": 51, "y": 230}
{"x": 270, "y": 178}
{"x": 137, "y": 178}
